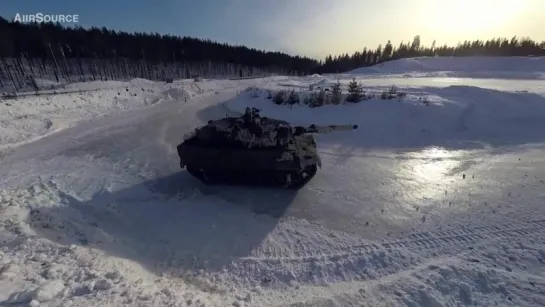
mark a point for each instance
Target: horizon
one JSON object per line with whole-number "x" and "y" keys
{"x": 302, "y": 27}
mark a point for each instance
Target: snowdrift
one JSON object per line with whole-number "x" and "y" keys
{"x": 28, "y": 118}
{"x": 494, "y": 67}
{"x": 460, "y": 117}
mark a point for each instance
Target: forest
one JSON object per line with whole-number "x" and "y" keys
{"x": 491, "y": 47}
{"x": 68, "y": 54}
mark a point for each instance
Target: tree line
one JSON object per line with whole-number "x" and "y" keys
{"x": 31, "y": 50}
{"x": 492, "y": 47}
{"x": 37, "y": 40}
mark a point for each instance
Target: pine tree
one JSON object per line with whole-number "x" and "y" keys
{"x": 280, "y": 97}
{"x": 355, "y": 91}
{"x": 321, "y": 98}
{"x": 293, "y": 98}
{"x": 336, "y": 93}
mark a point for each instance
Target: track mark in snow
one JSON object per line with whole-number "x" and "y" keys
{"x": 299, "y": 250}
{"x": 309, "y": 260}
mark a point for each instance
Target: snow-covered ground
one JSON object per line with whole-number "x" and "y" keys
{"x": 459, "y": 67}
{"x": 436, "y": 200}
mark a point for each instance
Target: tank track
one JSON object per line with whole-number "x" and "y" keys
{"x": 288, "y": 180}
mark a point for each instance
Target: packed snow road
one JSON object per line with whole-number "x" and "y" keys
{"x": 388, "y": 214}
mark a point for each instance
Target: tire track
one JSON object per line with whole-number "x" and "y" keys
{"x": 310, "y": 262}
{"x": 419, "y": 241}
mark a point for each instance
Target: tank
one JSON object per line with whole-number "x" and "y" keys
{"x": 253, "y": 149}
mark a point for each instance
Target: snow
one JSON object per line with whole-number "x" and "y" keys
{"x": 453, "y": 117}
{"x": 435, "y": 200}
{"x": 471, "y": 66}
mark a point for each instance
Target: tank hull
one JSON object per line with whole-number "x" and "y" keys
{"x": 246, "y": 166}
{"x": 252, "y": 149}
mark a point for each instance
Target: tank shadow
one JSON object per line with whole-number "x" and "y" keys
{"x": 170, "y": 225}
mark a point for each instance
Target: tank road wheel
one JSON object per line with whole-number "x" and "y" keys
{"x": 287, "y": 180}
{"x": 198, "y": 173}
{"x": 310, "y": 172}
{"x": 298, "y": 180}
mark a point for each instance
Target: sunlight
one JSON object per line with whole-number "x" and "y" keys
{"x": 433, "y": 172}
{"x": 472, "y": 17}
{"x": 435, "y": 152}
{"x": 429, "y": 170}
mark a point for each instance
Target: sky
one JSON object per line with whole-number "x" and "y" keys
{"x": 313, "y": 28}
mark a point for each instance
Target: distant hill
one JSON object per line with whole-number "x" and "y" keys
{"x": 474, "y": 63}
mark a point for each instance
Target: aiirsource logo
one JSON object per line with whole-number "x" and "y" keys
{"x": 41, "y": 17}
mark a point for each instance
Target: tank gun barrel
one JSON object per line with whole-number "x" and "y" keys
{"x": 298, "y": 130}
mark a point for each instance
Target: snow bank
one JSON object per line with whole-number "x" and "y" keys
{"x": 27, "y": 118}
{"x": 453, "y": 117}
{"x": 36, "y": 271}
{"x": 484, "y": 67}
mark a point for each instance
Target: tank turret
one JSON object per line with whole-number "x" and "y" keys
{"x": 253, "y": 149}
